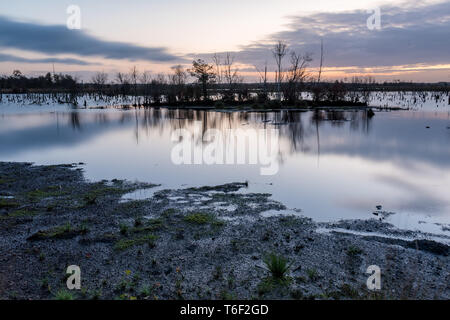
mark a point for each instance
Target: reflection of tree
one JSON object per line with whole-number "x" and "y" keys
{"x": 302, "y": 130}
{"x": 296, "y": 130}
{"x": 75, "y": 120}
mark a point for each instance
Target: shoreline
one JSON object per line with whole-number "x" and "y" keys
{"x": 195, "y": 243}
{"x": 217, "y": 105}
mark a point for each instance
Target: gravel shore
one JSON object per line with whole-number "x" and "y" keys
{"x": 195, "y": 243}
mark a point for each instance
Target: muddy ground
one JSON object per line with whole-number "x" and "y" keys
{"x": 198, "y": 243}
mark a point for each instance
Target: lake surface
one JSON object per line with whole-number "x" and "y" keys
{"x": 332, "y": 164}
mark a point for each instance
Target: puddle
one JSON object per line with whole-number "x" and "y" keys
{"x": 276, "y": 213}
{"x": 441, "y": 239}
{"x": 140, "y": 194}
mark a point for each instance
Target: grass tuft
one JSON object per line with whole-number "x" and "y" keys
{"x": 128, "y": 243}
{"x": 277, "y": 265}
{"x": 64, "y": 295}
{"x": 199, "y": 218}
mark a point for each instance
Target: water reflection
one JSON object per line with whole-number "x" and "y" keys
{"x": 334, "y": 164}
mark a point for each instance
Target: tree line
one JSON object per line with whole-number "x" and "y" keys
{"x": 219, "y": 81}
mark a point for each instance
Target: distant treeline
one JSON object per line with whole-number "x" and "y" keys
{"x": 17, "y": 83}
{"x": 218, "y": 81}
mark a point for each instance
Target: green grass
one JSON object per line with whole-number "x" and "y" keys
{"x": 269, "y": 284}
{"x": 138, "y": 221}
{"x": 150, "y": 225}
{"x": 169, "y": 211}
{"x": 349, "y": 291}
{"x": 200, "y": 218}
{"x": 49, "y": 192}
{"x": 8, "y": 204}
{"x": 145, "y": 291}
{"x": 123, "y": 228}
{"x": 64, "y": 295}
{"x": 21, "y": 213}
{"x": 5, "y": 180}
{"x": 225, "y": 295}
{"x": 354, "y": 251}
{"x": 98, "y": 191}
{"x": 312, "y": 274}
{"x": 277, "y": 265}
{"x": 59, "y": 232}
{"x": 128, "y": 243}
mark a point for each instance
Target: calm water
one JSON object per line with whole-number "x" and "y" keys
{"x": 333, "y": 165}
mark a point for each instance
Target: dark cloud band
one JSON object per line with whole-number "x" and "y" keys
{"x": 12, "y": 58}
{"x": 408, "y": 35}
{"x": 55, "y": 39}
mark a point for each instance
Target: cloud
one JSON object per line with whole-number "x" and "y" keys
{"x": 11, "y": 58}
{"x": 57, "y": 39}
{"x": 414, "y": 34}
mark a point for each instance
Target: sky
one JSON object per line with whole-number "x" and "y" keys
{"x": 410, "y": 42}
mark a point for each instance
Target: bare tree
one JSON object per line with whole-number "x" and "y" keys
{"x": 179, "y": 75}
{"x": 157, "y": 87}
{"x": 178, "y": 81}
{"x": 317, "y": 90}
{"x": 218, "y": 66}
{"x": 99, "y": 80}
{"x": 368, "y": 81}
{"x": 321, "y": 61}
{"x": 296, "y": 75}
{"x": 279, "y": 51}
{"x": 146, "y": 79}
{"x": 231, "y": 75}
{"x": 124, "y": 82}
{"x": 134, "y": 77}
{"x": 263, "y": 79}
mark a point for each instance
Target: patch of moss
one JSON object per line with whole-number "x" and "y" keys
{"x": 20, "y": 213}
{"x": 225, "y": 295}
{"x": 150, "y": 225}
{"x": 8, "y": 204}
{"x": 60, "y": 232}
{"x": 4, "y": 180}
{"x": 354, "y": 251}
{"x": 100, "y": 190}
{"x": 64, "y": 295}
{"x": 49, "y": 192}
{"x": 349, "y": 291}
{"x": 270, "y": 284}
{"x": 230, "y": 187}
{"x": 313, "y": 275}
{"x": 131, "y": 205}
{"x": 169, "y": 212}
{"x": 207, "y": 225}
{"x": 128, "y": 243}
{"x": 202, "y": 218}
